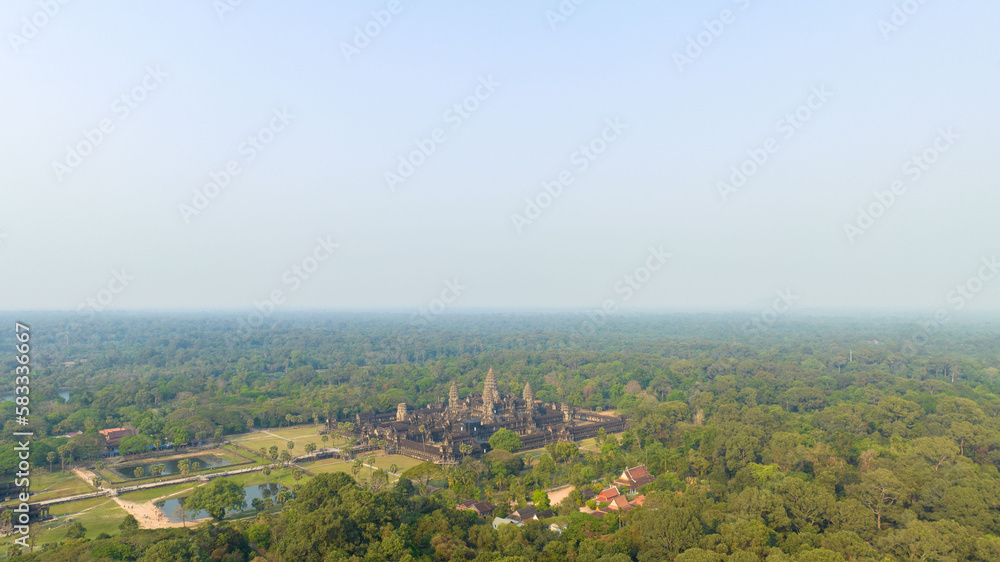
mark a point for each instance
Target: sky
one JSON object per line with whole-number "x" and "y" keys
{"x": 448, "y": 156}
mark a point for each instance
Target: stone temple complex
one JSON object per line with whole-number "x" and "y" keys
{"x": 446, "y": 433}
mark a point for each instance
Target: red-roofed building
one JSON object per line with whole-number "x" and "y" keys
{"x": 112, "y": 437}
{"x": 607, "y": 495}
{"x": 635, "y": 478}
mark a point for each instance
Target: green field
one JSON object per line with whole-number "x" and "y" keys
{"x": 152, "y": 493}
{"x": 57, "y": 485}
{"x": 402, "y": 463}
{"x": 299, "y": 435}
{"x": 99, "y": 515}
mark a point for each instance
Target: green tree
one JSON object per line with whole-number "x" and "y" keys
{"x": 76, "y": 530}
{"x": 218, "y": 497}
{"x": 64, "y": 453}
{"x": 506, "y": 440}
{"x": 51, "y": 457}
{"x": 260, "y": 535}
{"x": 129, "y": 524}
{"x": 181, "y": 512}
{"x": 138, "y": 472}
{"x": 156, "y": 470}
{"x": 541, "y": 499}
{"x": 878, "y": 491}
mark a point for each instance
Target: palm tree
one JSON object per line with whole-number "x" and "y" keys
{"x": 356, "y": 467}
{"x": 297, "y": 475}
{"x": 63, "y": 453}
{"x": 273, "y": 453}
{"x": 195, "y": 466}
{"x": 286, "y": 458}
{"x": 310, "y": 447}
{"x": 138, "y": 472}
{"x": 267, "y": 472}
{"x": 181, "y": 511}
{"x": 325, "y": 438}
{"x": 156, "y": 470}
{"x": 263, "y": 453}
{"x": 51, "y": 457}
{"x": 423, "y": 437}
{"x": 371, "y": 465}
{"x": 393, "y": 468}
{"x": 184, "y": 465}
{"x": 283, "y": 496}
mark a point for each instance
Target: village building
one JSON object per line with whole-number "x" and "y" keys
{"x": 481, "y": 508}
{"x": 528, "y": 513}
{"x": 498, "y": 521}
{"x": 616, "y": 501}
{"x": 112, "y": 437}
{"x": 634, "y": 478}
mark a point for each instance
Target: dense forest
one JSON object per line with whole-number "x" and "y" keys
{"x": 814, "y": 439}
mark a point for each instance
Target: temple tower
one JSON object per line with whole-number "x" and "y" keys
{"x": 529, "y": 397}
{"x": 489, "y": 395}
{"x": 401, "y": 412}
{"x": 453, "y": 397}
{"x": 490, "y": 388}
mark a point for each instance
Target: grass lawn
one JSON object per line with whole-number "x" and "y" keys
{"x": 402, "y": 463}
{"x": 328, "y": 465}
{"x": 100, "y": 515}
{"x": 57, "y": 485}
{"x": 300, "y": 435}
{"x": 146, "y": 495}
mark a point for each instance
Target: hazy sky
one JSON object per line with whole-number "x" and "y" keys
{"x": 312, "y": 104}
